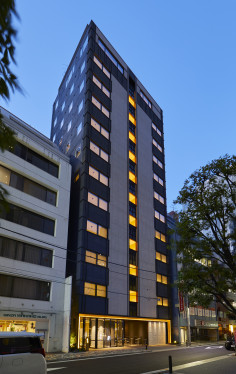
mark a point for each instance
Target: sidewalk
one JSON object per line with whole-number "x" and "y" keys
{"x": 60, "y": 356}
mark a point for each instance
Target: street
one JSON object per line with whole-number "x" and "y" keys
{"x": 194, "y": 360}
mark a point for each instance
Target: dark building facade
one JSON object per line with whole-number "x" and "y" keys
{"x": 112, "y": 129}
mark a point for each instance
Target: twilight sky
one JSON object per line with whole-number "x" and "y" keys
{"x": 184, "y": 53}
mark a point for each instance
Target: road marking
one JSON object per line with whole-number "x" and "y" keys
{"x": 189, "y": 365}
{"x": 51, "y": 369}
{"x": 215, "y": 347}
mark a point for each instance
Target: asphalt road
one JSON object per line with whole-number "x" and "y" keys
{"x": 203, "y": 360}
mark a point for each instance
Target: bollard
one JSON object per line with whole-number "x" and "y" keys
{"x": 170, "y": 364}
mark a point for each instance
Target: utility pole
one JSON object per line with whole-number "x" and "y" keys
{"x": 188, "y": 343}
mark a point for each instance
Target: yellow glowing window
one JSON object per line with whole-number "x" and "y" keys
{"x": 157, "y": 235}
{"x": 163, "y": 238}
{"x": 159, "y": 278}
{"x": 101, "y": 291}
{"x": 77, "y": 177}
{"x": 133, "y": 221}
{"x": 132, "y": 137}
{"x": 132, "y": 119}
{"x": 158, "y": 256}
{"x": 132, "y": 198}
{"x": 102, "y": 231}
{"x": 159, "y": 301}
{"x": 132, "y": 157}
{"x": 163, "y": 258}
{"x": 165, "y": 302}
{"x": 164, "y": 279}
{"x": 133, "y": 270}
{"x": 90, "y": 257}
{"x": 89, "y": 289}
{"x": 132, "y": 177}
{"x": 133, "y": 296}
{"x": 132, "y": 102}
{"x": 133, "y": 245}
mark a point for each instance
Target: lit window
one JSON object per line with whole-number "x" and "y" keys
{"x": 81, "y": 86}
{"x": 56, "y": 105}
{"x": 132, "y": 102}
{"x": 79, "y": 128}
{"x": 133, "y": 296}
{"x": 103, "y": 179}
{"x": 157, "y": 145}
{"x": 159, "y": 301}
{"x": 95, "y": 124}
{"x": 162, "y": 278}
{"x": 159, "y": 197}
{"x": 93, "y": 199}
{"x": 132, "y": 177}
{"x": 60, "y": 141}
{"x": 144, "y": 97}
{"x": 102, "y": 231}
{"x": 71, "y": 106}
{"x": 132, "y": 119}
{"x": 160, "y": 236}
{"x": 158, "y": 179}
{"x": 80, "y": 106}
{"x": 93, "y": 172}
{"x": 165, "y": 302}
{"x": 89, "y": 289}
{"x": 101, "y": 260}
{"x": 102, "y": 67}
{"x": 90, "y": 257}
{"x": 92, "y": 227}
{"x": 96, "y": 102}
{"x": 77, "y": 152}
{"x": 4, "y": 175}
{"x": 104, "y": 155}
{"x": 156, "y": 129}
{"x": 132, "y": 137}
{"x": 54, "y": 137}
{"x": 133, "y": 245}
{"x": 72, "y": 88}
{"x": 132, "y": 198}
{"x": 103, "y": 204}
{"x": 159, "y": 216}
{"x": 97, "y": 62}
{"x": 106, "y": 91}
{"x": 105, "y": 111}
{"x": 162, "y": 301}
{"x": 94, "y": 148}
{"x": 101, "y": 291}
{"x": 97, "y": 82}
{"x": 104, "y": 132}
{"x": 105, "y": 71}
{"x": 82, "y": 68}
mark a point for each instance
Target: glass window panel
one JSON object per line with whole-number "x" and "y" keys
{"x": 97, "y": 82}
{"x": 81, "y": 106}
{"x": 6, "y": 285}
{"x": 96, "y": 102}
{"x": 92, "y": 227}
{"x": 79, "y": 128}
{"x": 89, "y": 289}
{"x": 105, "y": 111}
{"x": 104, "y": 132}
{"x": 90, "y": 257}
{"x": 165, "y": 302}
{"x": 162, "y": 218}
{"x": 72, "y": 88}
{"x": 97, "y": 62}
{"x": 4, "y": 175}
{"x": 155, "y": 177}
{"x": 32, "y": 254}
{"x": 105, "y": 71}
{"x": 101, "y": 291}
{"x": 102, "y": 260}
{"x": 94, "y": 148}
{"x": 103, "y": 204}
{"x": 157, "y": 235}
{"x": 158, "y": 256}
{"x": 82, "y": 67}
{"x": 93, "y": 172}
{"x": 104, "y": 155}
{"x": 164, "y": 279}
{"x": 159, "y": 278}
{"x": 93, "y": 199}
{"x": 81, "y": 86}
{"x": 46, "y": 257}
{"x": 159, "y": 300}
{"x": 163, "y": 238}
{"x": 70, "y": 107}
{"x": 154, "y": 126}
{"x": 95, "y": 124}
{"x": 157, "y": 215}
{"x": 102, "y": 231}
{"x": 106, "y": 91}
{"x": 163, "y": 258}
{"x": 103, "y": 179}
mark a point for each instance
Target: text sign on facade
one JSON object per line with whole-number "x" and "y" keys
{"x": 181, "y": 302}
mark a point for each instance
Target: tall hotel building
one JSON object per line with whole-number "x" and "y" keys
{"x": 112, "y": 129}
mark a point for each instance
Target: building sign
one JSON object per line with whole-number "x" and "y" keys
{"x": 199, "y": 323}
{"x": 24, "y": 315}
{"x": 181, "y": 302}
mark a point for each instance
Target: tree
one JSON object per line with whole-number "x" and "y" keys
{"x": 207, "y": 230}
{"x": 8, "y": 81}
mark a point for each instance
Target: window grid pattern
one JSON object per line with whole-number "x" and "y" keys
{"x": 99, "y": 128}
{"x": 95, "y": 258}
{"x": 158, "y": 179}
{"x": 111, "y": 57}
{"x": 96, "y": 229}
{"x": 100, "y": 85}
{"x": 101, "y": 107}
{"x": 97, "y": 175}
{"x": 101, "y": 66}
{"x": 99, "y": 151}
{"x": 93, "y": 289}
{"x": 156, "y": 129}
{"x": 158, "y": 197}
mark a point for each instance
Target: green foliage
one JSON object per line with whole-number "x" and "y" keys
{"x": 207, "y": 230}
{"x": 8, "y": 80}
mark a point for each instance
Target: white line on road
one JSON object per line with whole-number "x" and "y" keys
{"x": 189, "y": 365}
{"x": 51, "y": 369}
{"x": 215, "y": 347}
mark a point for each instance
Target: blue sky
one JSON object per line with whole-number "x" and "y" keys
{"x": 182, "y": 51}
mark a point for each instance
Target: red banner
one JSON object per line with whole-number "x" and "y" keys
{"x": 181, "y": 302}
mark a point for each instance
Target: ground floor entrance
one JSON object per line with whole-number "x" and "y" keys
{"x": 105, "y": 331}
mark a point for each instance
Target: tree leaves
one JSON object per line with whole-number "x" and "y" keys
{"x": 207, "y": 230}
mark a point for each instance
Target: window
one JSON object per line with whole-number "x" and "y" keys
{"x": 99, "y": 151}
{"x": 26, "y": 185}
{"x": 84, "y": 46}
{"x": 132, "y": 187}
{"x": 56, "y": 105}
{"x": 157, "y": 145}
{"x": 25, "y": 252}
{"x": 62, "y": 123}
{"x": 69, "y": 126}
{"x": 156, "y": 129}
{"x": 132, "y": 232}
{"x": 71, "y": 106}
{"x": 101, "y": 86}
{"x": 160, "y": 236}
{"x": 80, "y": 106}
{"x": 132, "y": 209}
{"x": 60, "y": 141}
{"x": 55, "y": 122}
{"x": 81, "y": 86}
{"x": 132, "y": 128}
{"x": 67, "y": 147}
{"x": 132, "y": 166}
{"x": 96, "y": 229}
{"x": 92, "y": 289}
{"x": 100, "y": 107}
{"x": 79, "y": 128}
{"x": 97, "y": 201}
{"x": 159, "y": 197}
{"x": 111, "y": 57}
{"x": 158, "y": 162}
{"x": 144, "y": 97}
{"x": 102, "y": 67}
{"x": 131, "y": 146}
{"x": 95, "y": 258}
{"x": 24, "y": 288}
{"x": 159, "y": 216}
{"x": 29, "y": 219}
{"x": 161, "y": 257}
{"x": 82, "y": 67}
{"x": 162, "y": 301}
{"x": 97, "y": 175}
{"x": 161, "y": 278}
{"x": 63, "y": 106}
{"x": 70, "y": 75}
{"x": 99, "y": 128}
{"x": 54, "y": 137}
{"x": 35, "y": 159}
{"x": 77, "y": 152}
{"x": 72, "y": 88}
{"x": 158, "y": 179}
